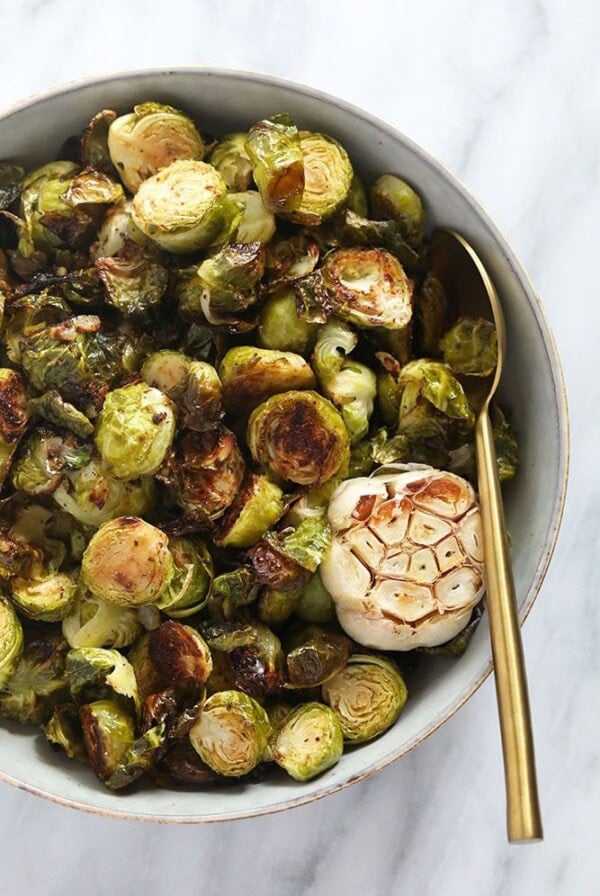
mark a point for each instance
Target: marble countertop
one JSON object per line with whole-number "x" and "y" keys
{"x": 507, "y": 95}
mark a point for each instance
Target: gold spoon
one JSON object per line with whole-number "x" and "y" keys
{"x": 468, "y": 285}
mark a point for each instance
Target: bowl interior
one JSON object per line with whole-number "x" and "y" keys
{"x": 532, "y": 390}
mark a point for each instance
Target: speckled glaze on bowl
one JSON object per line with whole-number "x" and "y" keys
{"x": 532, "y": 388}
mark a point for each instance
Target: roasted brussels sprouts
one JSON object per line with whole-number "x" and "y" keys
{"x": 275, "y": 606}
{"x": 185, "y": 207}
{"x": 127, "y": 563}
{"x": 11, "y": 183}
{"x": 13, "y": 415}
{"x": 45, "y": 600}
{"x": 300, "y": 436}
{"x": 188, "y": 590}
{"x": 138, "y": 758}
{"x": 116, "y": 231}
{"x": 434, "y": 382}
{"x": 44, "y": 459}
{"x": 108, "y": 732}
{"x": 367, "y": 696}
{"x": 205, "y": 471}
{"x": 93, "y": 497}
{"x": 350, "y": 385}
{"x": 166, "y": 370}
{"x": 470, "y": 347}
{"x": 231, "y": 733}
{"x": 150, "y": 138}
{"x": 11, "y": 641}
{"x": 232, "y": 161}
{"x": 277, "y": 162}
{"x": 291, "y": 258}
{"x": 315, "y": 604}
{"x": 133, "y": 280}
{"x": 256, "y": 664}
{"x": 256, "y": 507}
{"x": 94, "y": 141}
{"x": 327, "y": 179}
{"x": 431, "y": 308}
{"x": 368, "y": 287}
{"x": 249, "y": 375}
{"x": 37, "y": 684}
{"x": 257, "y": 223}
{"x": 94, "y": 623}
{"x": 91, "y": 187}
{"x": 47, "y": 222}
{"x": 134, "y": 431}
{"x": 238, "y": 588}
{"x": 316, "y": 656}
{"x": 279, "y": 326}
{"x": 228, "y": 278}
{"x": 309, "y": 742}
{"x": 63, "y": 729}
{"x": 357, "y": 200}
{"x": 201, "y": 397}
{"x": 181, "y": 655}
{"x": 393, "y": 198}
{"x": 51, "y": 407}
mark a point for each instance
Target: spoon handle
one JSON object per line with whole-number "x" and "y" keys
{"x": 523, "y": 812}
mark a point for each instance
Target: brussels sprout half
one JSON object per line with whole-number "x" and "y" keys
{"x": 391, "y": 197}
{"x": 327, "y": 179}
{"x": 309, "y": 742}
{"x": 232, "y": 161}
{"x": 94, "y": 623}
{"x": 257, "y": 223}
{"x": 134, "y": 281}
{"x": 108, "y": 732}
{"x": 256, "y": 507}
{"x": 127, "y": 563}
{"x": 470, "y": 347}
{"x": 367, "y": 696}
{"x": 249, "y": 375}
{"x": 185, "y": 207}
{"x": 300, "y": 436}
{"x": 275, "y": 150}
{"x": 279, "y": 326}
{"x": 46, "y": 600}
{"x": 13, "y": 416}
{"x": 231, "y": 733}
{"x": 134, "y": 431}
{"x": 150, "y": 138}
{"x": 188, "y": 590}
{"x": 38, "y": 682}
{"x": 11, "y": 641}
{"x": 93, "y": 497}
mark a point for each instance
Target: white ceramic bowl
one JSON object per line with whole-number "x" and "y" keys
{"x": 532, "y": 388}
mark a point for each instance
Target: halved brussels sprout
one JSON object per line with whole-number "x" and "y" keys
{"x": 316, "y": 656}
{"x": 188, "y": 590}
{"x": 134, "y": 431}
{"x": 94, "y": 623}
{"x": 279, "y": 326}
{"x": 44, "y": 214}
{"x": 127, "y": 563}
{"x": 11, "y": 641}
{"x": 166, "y": 370}
{"x": 37, "y": 684}
{"x": 357, "y": 200}
{"x": 256, "y": 507}
{"x": 45, "y": 600}
{"x": 201, "y": 398}
{"x": 255, "y": 656}
{"x": 108, "y": 732}
{"x": 94, "y": 673}
{"x": 94, "y": 497}
{"x": 470, "y": 347}
{"x": 232, "y": 161}
{"x": 117, "y": 229}
{"x": 231, "y": 733}
{"x": 205, "y": 471}
{"x": 391, "y": 197}
{"x": 275, "y": 606}
{"x": 180, "y": 655}
{"x": 275, "y": 568}
{"x": 147, "y": 678}
{"x": 316, "y": 603}
{"x": 351, "y": 386}
{"x": 327, "y": 179}
{"x": 150, "y": 138}
{"x": 300, "y": 436}
{"x": 309, "y": 742}
{"x": 45, "y": 458}
{"x": 291, "y": 257}
{"x": 94, "y": 141}
{"x": 249, "y": 375}
{"x": 257, "y": 222}
{"x": 63, "y": 729}
{"x": 185, "y": 207}
{"x": 434, "y": 382}
{"x": 229, "y": 277}
{"x": 367, "y": 696}
{"x": 91, "y": 187}
{"x": 231, "y": 590}
{"x": 134, "y": 281}
{"x": 52, "y": 407}
{"x": 11, "y": 183}
{"x": 275, "y": 150}
{"x": 13, "y": 415}
{"x": 368, "y": 287}
{"x": 431, "y": 307}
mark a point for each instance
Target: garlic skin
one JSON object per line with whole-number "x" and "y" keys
{"x": 405, "y": 567}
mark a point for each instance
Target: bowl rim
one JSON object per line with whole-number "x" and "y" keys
{"x": 559, "y": 392}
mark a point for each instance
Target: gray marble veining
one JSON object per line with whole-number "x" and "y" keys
{"x": 507, "y": 94}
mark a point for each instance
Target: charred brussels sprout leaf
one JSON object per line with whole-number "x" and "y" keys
{"x": 116, "y": 231}
{"x": 99, "y": 673}
{"x": 309, "y": 742}
{"x": 290, "y": 258}
{"x": 13, "y": 416}
{"x": 137, "y": 416}
{"x": 327, "y": 179}
{"x": 249, "y": 375}
{"x": 275, "y": 150}
{"x": 181, "y": 655}
{"x": 231, "y": 733}
{"x": 150, "y": 138}
{"x": 229, "y": 277}
{"x": 52, "y": 407}
{"x": 231, "y": 590}
{"x": 367, "y": 696}
{"x": 391, "y": 197}
{"x": 11, "y": 181}
{"x": 94, "y": 141}
{"x": 470, "y": 347}
{"x": 37, "y": 684}
{"x": 306, "y": 545}
{"x": 186, "y": 207}
{"x": 127, "y": 563}
{"x": 188, "y": 590}
{"x": 63, "y": 730}
{"x": 435, "y": 383}
{"x": 300, "y": 436}
{"x": 232, "y": 161}
{"x": 431, "y": 307}
{"x": 11, "y": 641}
{"x": 133, "y": 280}
{"x": 138, "y": 758}
{"x": 507, "y": 449}
{"x": 255, "y": 655}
